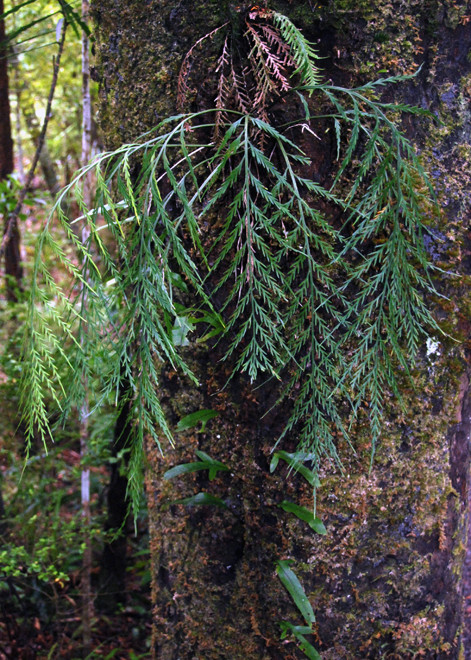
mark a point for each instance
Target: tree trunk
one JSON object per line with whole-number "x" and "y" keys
{"x": 13, "y": 268}
{"x": 385, "y": 580}
{"x": 6, "y": 143}
{"x": 114, "y": 558}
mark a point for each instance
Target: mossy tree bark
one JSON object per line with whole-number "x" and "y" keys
{"x": 385, "y": 581}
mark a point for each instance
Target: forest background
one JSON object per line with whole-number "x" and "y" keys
{"x": 43, "y": 529}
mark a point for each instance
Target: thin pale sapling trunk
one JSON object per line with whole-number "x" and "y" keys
{"x": 87, "y": 599}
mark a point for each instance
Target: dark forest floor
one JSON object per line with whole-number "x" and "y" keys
{"x": 122, "y": 636}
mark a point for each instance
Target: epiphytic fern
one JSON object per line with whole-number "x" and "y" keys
{"x": 318, "y": 286}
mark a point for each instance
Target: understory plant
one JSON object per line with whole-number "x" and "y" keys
{"x": 284, "y": 569}
{"x": 208, "y": 229}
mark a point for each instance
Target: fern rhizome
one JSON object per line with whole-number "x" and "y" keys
{"x": 318, "y": 286}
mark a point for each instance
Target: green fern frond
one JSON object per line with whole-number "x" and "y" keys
{"x": 320, "y": 286}
{"x": 302, "y": 51}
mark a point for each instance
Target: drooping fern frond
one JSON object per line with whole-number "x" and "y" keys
{"x": 303, "y": 54}
{"x": 185, "y": 69}
{"x": 224, "y": 88}
{"x": 269, "y": 58}
{"x": 240, "y": 88}
{"x": 320, "y": 286}
{"x": 389, "y": 274}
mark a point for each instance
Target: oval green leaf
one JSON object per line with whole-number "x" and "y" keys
{"x": 304, "y": 514}
{"x": 295, "y": 589}
{"x": 202, "y": 499}
{"x": 193, "y": 419}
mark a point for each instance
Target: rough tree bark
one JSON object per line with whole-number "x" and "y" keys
{"x": 385, "y": 581}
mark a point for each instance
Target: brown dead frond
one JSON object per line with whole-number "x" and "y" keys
{"x": 224, "y": 90}
{"x": 183, "y": 89}
{"x": 241, "y": 90}
{"x": 251, "y": 73}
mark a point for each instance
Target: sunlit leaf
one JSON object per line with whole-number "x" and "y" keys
{"x": 181, "y": 329}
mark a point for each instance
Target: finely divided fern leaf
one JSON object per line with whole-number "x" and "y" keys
{"x": 303, "y": 53}
{"x": 319, "y": 286}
